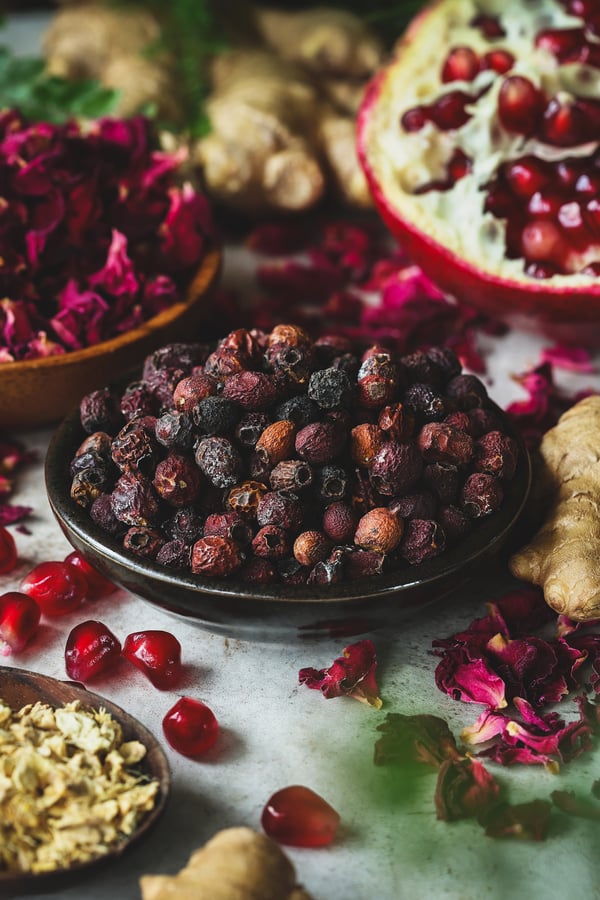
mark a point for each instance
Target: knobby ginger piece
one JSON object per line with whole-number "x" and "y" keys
{"x": 564, "y": 556}
{"x": 236, "y": 864}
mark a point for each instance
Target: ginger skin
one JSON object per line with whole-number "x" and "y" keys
{"x": 236, "y": 864}
{"x": 564, "y": 555}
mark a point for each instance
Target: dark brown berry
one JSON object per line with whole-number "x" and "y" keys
{"x": 253, "y": 391}
{"x": 216, "y": 556}
{"x": 481, "y": 495}
{"x": 276, "y": 442}
{"x": 219, "y": 461}
{"x": 99, "y": 411}
{"x": 339, "y": 522}
{"x": 497, "y": 454}
{"x": 291, "y": 475}
{"x": 396, "y": 468}
{"x": 440, "y": 442}
{"x": 280, "y": 508}
{"x": 311, "y": 547}
{"x": 229, "y": 525}
{"x": 244, "y": 498}
{"x": 143, "y": 541}
{"x": 271, "y": 542}
{"x": 366, "y": 441}
{"x": 134, "y": 501}
{"x": 320, "y": 442}
{"x": 423, "y": 539}
{"x": 177, "y": 479}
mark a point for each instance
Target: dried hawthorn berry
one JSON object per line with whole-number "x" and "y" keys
{"x": 177, "y": 479}
{"x": 88, "y": 484}
{"x": 291, "y": 366}
{"x": 290, "y": 335}
{"x": 98, "y": 442}
{"x": 396, "y": 468}
{"x": 99, "y": 411}
{"x": 102, "y": 515}
{"x": 175, "y": 430}
{"x": 459, "y": 419}
{"x": 311, "y": 547}
{"x": 135, "y": 447}
{"x": 291, "y": 475}
{"x": 219, "y": 461}
{"x": 363, "y": 563}
{"x": 133, "y": 500}
{"x": 455, "y": 522}
{"x": 397, "y": 421}
{"x": 427, "y": 404}
{"x": 174, "y": 554}
{"x": 166, "y": 367}
{"x": 320, "y": 442}
{"x": 444, "y": 480}
{"x": 329, "y": 571}
{"x": 423, "y": 539}
{"x": 137, "y": 400}
{"x": 299, "y": 409}
{"x": 216, "y": 556}
{"x": 272, "y": 542}
{"x": 276, "y": 442}
{"x": 440, "y": 442}
{"x": 253, "y": 391}
{"x": 481, "y": 495}
{"x": 378, "y": 381}
{"x": 192, "y": 389}
{"x": 467, "y": 392}
{"x": 244, "y": 498}
{"x": 497, "y": 454}
{"x": 332, "y": 482}
{"x": 143, "y": 541}
{"x": 229, "y": 525}
{"x": 216, "y": 415}
{"x": 330, "y": 388}
{"x": 258, "y": 571}
{"x": 419, "y": 505}
{"x": 186, "y": 525}
{"x": 445, "y": 361}
{"x": 482, "y": 420}
{"x": 250, "y": 427}
{"x": 290, "y": 571}
{"x": 281, "y": 508}
{"x": 339, "y": 522}
{"x": 329, "y": 346}
{"x": 366, "y": 441}
{"x": 380, "y": 530}
{"x": 419, "y": 367}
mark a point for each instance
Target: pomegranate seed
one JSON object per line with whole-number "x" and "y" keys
{"x": 540, "y": 241}
{"x": 499, "y": 202}
{"x": 8, "y": 551}
{"x": 588, "y": 184}
{"x": 98, "y": 585}
{"x": 544, "y": 204}
{"x": 592, "y": 215}
{"x": 190, "y": 727}
{"x": 592, "y": 269}
{"x": 570, "y": 218}
{"x": 568, "y": 172}
{"x": 541, "y": 270}
{"x": 461, "y": 64}
{"x": 91, "y": 650}
{"x": 19, "y": 619}
{"x": 414, "y": 119}
{"x": 489, "y": 25}
{"x": 564, "y": 124}
{"x": 299, "y": 817}
{"x": 459, "y": 165}
{"x": 582, "y": 8}
{"x": 563, "y": 43}
{"x": 157, "y": 654}
{"x": 500, "y": 61}
{"x": 520, "y": 105}
{"x": 590, "y": 110}
{"x": 592, "y": 24}
{"x": 448, "y": 111}
{"x": 57, "y": 587}
{"x": 526, "y": 175}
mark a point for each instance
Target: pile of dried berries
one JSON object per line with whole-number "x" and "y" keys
{"x": 282, "y": 459}
{"x": 95, "y": 237}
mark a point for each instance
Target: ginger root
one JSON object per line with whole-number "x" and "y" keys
{"x": 236, "y": 864}
{"x": 564, "y": 555}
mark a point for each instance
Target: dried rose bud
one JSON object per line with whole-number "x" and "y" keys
{"x": 291, "y": 475}
{"x": 253, "y": 391}
{"x": 177, "y": 479}
{"x": 420, "y": 505}
{"x": 143, "y": 541}
{"x": 277, "y": 441}
{"x": 396, "y": 468}
{"x": 423, "y": 539}
{"x": 219, "y": 461}
{"x": 258, "y": 571}
{"x": 271, "y": 542}
{"x": 311, "y": 547}
{"x": 216, "y": 556}
{"x": 366, "y": 441}
{"x": 481, "y": 495}
{"x": 229, "y": 525}
{"x": 320, "y": 442}
{"x": 497, "y": 454}
{"x": 281, "y": 508}
{"x": 439, "y": 442}
{"x": 380, "y": 530}
{"x": 244, "y": 498}
{"x": 339, "y": 522}
{"x": 134, "y": 501}
{"x": 192, "y": 389}
{"x": 398, "y": 421}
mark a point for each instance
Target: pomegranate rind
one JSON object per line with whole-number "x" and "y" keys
{"x": 567, "y": 306}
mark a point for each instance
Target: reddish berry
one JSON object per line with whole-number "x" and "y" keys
{"x": 190, "y": 727}
{"x": 98, "y": 585}
{"x": 8, "y": 551}
{"x": 57, "y": 587}
{"x": 19, "y": 619}
{"x": 157, "y": 654}
{"x": 91, "y": 650}
{"x": 297, "y": 816}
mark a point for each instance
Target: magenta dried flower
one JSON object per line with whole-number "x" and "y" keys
{"x": 464, "y": 789}
{"x": 351, "y": 675}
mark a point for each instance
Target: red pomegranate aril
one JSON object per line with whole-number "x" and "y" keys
{"x": 592, "y": 269}
{"x": 499, "y": 202}
{"x": 8, "y": 551}
{"x": 190, "y": 727}
{"x": 592, "y": 215}
{"x": 91, "y": 650}
{"x": 544, "y": 204}
{"x": 448, "y": 111}
{"x": 461, "y": 64}
{"x": 57, "y": 587}
{"x": 568, "y": 171}
{"x": 563, "y": 43}
{"x": 414, "y": 119}
{"x": 542, "y": 270}
{"x": 592, "y": 24}
{"x": 98, "y": 585}
{"x": 564, "y": 124}
{"x": 19, "y": 619}
{"x": 298, "y": 817}
{"x": 540, "y": 241}
{"x": 588, "y": 184}
{"x": 459, "y": 165}
{"x": 570, "y": 217}
{"x": 500, "y": 61}
{"x": 489, "y": 26}
{"x": 157, "y": 654}
{"x": 527, "y": 175}
{"x": 582, "y": 8}
{"x": 520, "y": 105}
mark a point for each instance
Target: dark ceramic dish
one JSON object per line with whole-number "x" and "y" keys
{"x": 279, "y": 612}
{"x": 19, "y": 688}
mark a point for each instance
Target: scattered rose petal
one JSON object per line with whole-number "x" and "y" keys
{"x": 573, "y": 359}
{"x": 470, "y": 680}
{"x": 527, "y": 821}
{"x": 350, "y": 675}
{"x": 414, "y": 739}
{"x": 464, "y": 789}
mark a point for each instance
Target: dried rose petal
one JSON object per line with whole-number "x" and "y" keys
{"x": 470, "y": 680}
{"x": 464, "y": 789}
{"x": 573, "y": 359}
{"x": 414, "y": 739}
{"x": 527, "y": 821}
{"x": 529, "y": 667}
{"x": 350, "y": 675}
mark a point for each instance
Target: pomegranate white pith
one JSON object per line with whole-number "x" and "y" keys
{"x": 498, "y": 196}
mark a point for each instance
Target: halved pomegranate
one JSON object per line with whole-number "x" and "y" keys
{"x": 481, "y": 144}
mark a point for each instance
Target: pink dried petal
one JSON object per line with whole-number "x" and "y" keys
{"x": 470, "y": 680}
{"x": 573, "y": 359}
{"x": 414, "y": 739}
{"x": 9, "y": 513}
{"x": 521, "y": 611}
{"x": 46, "y": 217}
{"x": 159, "y": 293}
{"x": 185, "y": 228}
{"x": 506, "y": 755}
{"x": 41, "y": 346}
{"x": 464, "y": 789}
{"x": 487, "y": 726}
{"x": 117, "y": 277}
{"x": 350, "y": 675}
{"x": 81, "y": 318}
{"x": 6, "y": 487}
{"x": 15, "y": 323}
{"x": 529, "y": 668}
{"x": 526, "y": 821}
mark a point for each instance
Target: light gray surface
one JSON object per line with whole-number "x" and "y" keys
{"x": 275, "y": 733}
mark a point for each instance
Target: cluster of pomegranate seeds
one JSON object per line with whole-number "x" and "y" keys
{"x": 190, "y": 727}
{"x": 157, "y": 654}
{"x": 298, "y": 817}
{"x": 19, "y": 620}
{"x": 57, "y": 587}
{"x": 464, "y": 64}
{"x": 91, "y": 650}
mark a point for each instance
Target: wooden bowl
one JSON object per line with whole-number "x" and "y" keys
{"x": 18, "y": 688}
{"x": 40, "y": 392}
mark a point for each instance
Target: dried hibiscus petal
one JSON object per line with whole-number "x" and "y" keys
{"x": 414, "y": 739}
{"x": 470, "y": 680}
{"x": 350, "y": 675}
{"x": 464, "y": 789}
